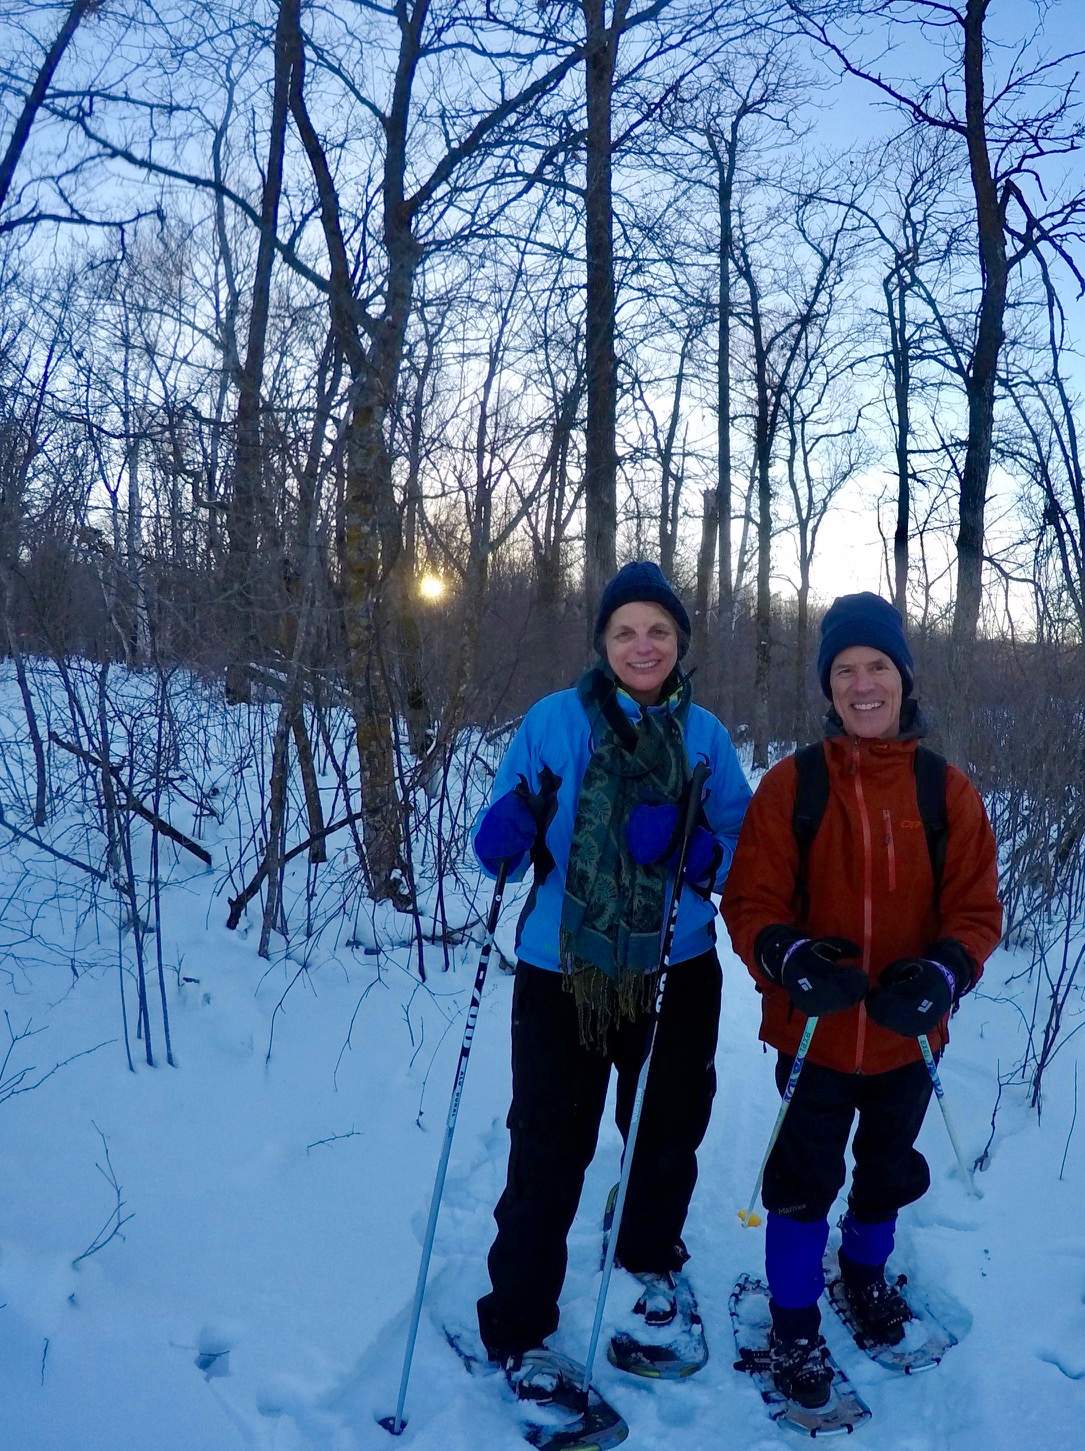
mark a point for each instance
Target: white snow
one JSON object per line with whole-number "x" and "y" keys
{"x": 258, "y": 1296}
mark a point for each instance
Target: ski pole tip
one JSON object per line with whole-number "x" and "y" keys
{"x": 393, "y": 1424}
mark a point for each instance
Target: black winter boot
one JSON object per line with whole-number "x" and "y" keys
{"x": 879, "y": 1309}
{"x": 798, "y": 1356}
{"x": 800, "y": 1369}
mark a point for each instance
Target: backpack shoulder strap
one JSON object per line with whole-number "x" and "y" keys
{"x": 930, "y": 793}
{"x": 811, "y": 799}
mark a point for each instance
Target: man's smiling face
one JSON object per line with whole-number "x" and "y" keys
{"x": 867, "y": 692}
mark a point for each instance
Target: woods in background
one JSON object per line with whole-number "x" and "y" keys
{"x": 299, "y": 306}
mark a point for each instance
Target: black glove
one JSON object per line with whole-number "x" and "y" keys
{"x": 817, "y": 973}
{"x": 913, "y": 995}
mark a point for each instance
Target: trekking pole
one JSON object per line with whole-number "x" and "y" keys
{"x": 747, "y": 1215}
{"x": 396, "y": 1423}
{"x": 940, "y": 1094}
{"x": 700, "y": 775}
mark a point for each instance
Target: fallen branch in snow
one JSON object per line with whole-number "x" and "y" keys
{"x": 333, "y": 1139}
{"x": 113, "y": 1225}
{"x": 245, "y": 896}
{"x": 1070, "y": 1134}
{"x": 133, "y": 802}
{"x": 271, "y": 1030}
{"x": 278, "y": 685}
{"x": 983, "y": 1162}
{"x": 15, "y": 1084}
{"x": 44, "y": 846}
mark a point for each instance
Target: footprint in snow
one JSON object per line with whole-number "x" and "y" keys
{"x": 214, "y": 1344}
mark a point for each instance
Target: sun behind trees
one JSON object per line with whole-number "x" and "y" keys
{"x": 352, "y": 299}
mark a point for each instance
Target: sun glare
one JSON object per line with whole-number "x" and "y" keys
{"x": 431, "y": 587}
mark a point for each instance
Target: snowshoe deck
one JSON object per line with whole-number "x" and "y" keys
{"x": 664, "y": 1352}
{"x": 926, "y": 1339}
{"x": 749, "y": 1305}
{"x": 553, "y": 1426}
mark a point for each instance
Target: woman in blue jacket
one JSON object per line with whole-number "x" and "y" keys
{"x": 591, "y": 789}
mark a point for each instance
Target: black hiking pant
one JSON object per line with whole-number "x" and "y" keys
{"x": 806, "y": 1169}
{"x": 559, "y": 1091}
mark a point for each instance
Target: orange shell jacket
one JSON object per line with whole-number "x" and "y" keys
{"x": 869, "y": 878}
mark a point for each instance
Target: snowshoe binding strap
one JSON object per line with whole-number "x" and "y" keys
{"x": 879, "y": 1309}
{"x": 543, "y": 1376}
{"x": 801, "y": 1370}
{"x": 658, "y": 1304}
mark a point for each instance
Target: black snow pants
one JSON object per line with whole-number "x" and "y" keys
{"x": 806, "y": 1169}
{"x": 559, "y": 1091}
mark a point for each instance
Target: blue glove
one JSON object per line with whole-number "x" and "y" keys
{"x": 650, "y": 832}
{"x": 703, "y": 857}
{"x": 505, "y": 832}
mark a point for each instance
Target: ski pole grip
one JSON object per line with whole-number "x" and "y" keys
{"x": 693, "y": 806}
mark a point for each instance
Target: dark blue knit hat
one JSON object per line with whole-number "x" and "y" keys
{"x": 864, "y": 619}
{"x": 641, "y": 580}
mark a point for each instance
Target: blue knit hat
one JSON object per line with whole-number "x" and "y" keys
{"x": 641, "y": 580}
{"x": 864, "y": 619}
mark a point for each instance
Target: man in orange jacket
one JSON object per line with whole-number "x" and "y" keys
{"x": 862, "y": 935}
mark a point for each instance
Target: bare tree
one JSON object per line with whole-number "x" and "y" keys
{"x": 1008, "y": 125}
{"x": 784, "y": 303}
{"x": 35, "y": 96}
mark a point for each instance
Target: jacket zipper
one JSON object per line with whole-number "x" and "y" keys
{"x": 890, "y": 849}
{"x": 868, "y": 903}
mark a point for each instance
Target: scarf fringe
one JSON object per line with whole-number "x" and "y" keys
{"x": 604, "y": 1002}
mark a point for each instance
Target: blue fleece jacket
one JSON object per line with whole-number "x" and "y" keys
{"x": 555, "y": 732}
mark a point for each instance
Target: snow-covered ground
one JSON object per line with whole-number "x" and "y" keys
{"x": 258, "y": 1296}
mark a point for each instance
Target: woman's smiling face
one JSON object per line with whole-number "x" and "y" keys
{"x": 642, "y": 648}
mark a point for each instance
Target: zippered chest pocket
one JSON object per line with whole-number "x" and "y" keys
{"x": 890, "y": 848}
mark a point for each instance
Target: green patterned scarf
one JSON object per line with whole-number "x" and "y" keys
{"x": 612, "y": 913}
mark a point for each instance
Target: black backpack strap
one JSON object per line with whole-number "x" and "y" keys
{"x": 811, "y": 799}
{"x": 930, "y": 794}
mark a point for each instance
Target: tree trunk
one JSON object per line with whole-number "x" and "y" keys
{"x": 245, "y": 501}
{"x": 670, "y": 496}
{"x": 725, "y": 172}
{"x": 706, "y": 559}
{"x": 762, "y": 464}
{"x": 983, "y": 369}
{"x": 600, "y": 463}
{"x": 896, "y": 301}
{"x": 368, "y": 473}
{"x": 38, "y": 91}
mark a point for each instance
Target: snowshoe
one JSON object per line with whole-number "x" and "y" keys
{"x": 874, "y": 1318}
{"x": 843, "y": 1410}
{"x": 663, "y": 1337}
{"x": 555, "y": 1414}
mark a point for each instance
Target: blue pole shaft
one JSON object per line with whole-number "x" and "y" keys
{"x": 940, "y": 1094}
{"x": 747, "y": 1214}
{"x": 396, "y": 1424}
{"x": 619, "y": 1203}
{"x": 700, "y": 774}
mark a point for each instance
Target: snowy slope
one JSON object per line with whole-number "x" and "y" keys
{"x": 285, "y": 1266}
